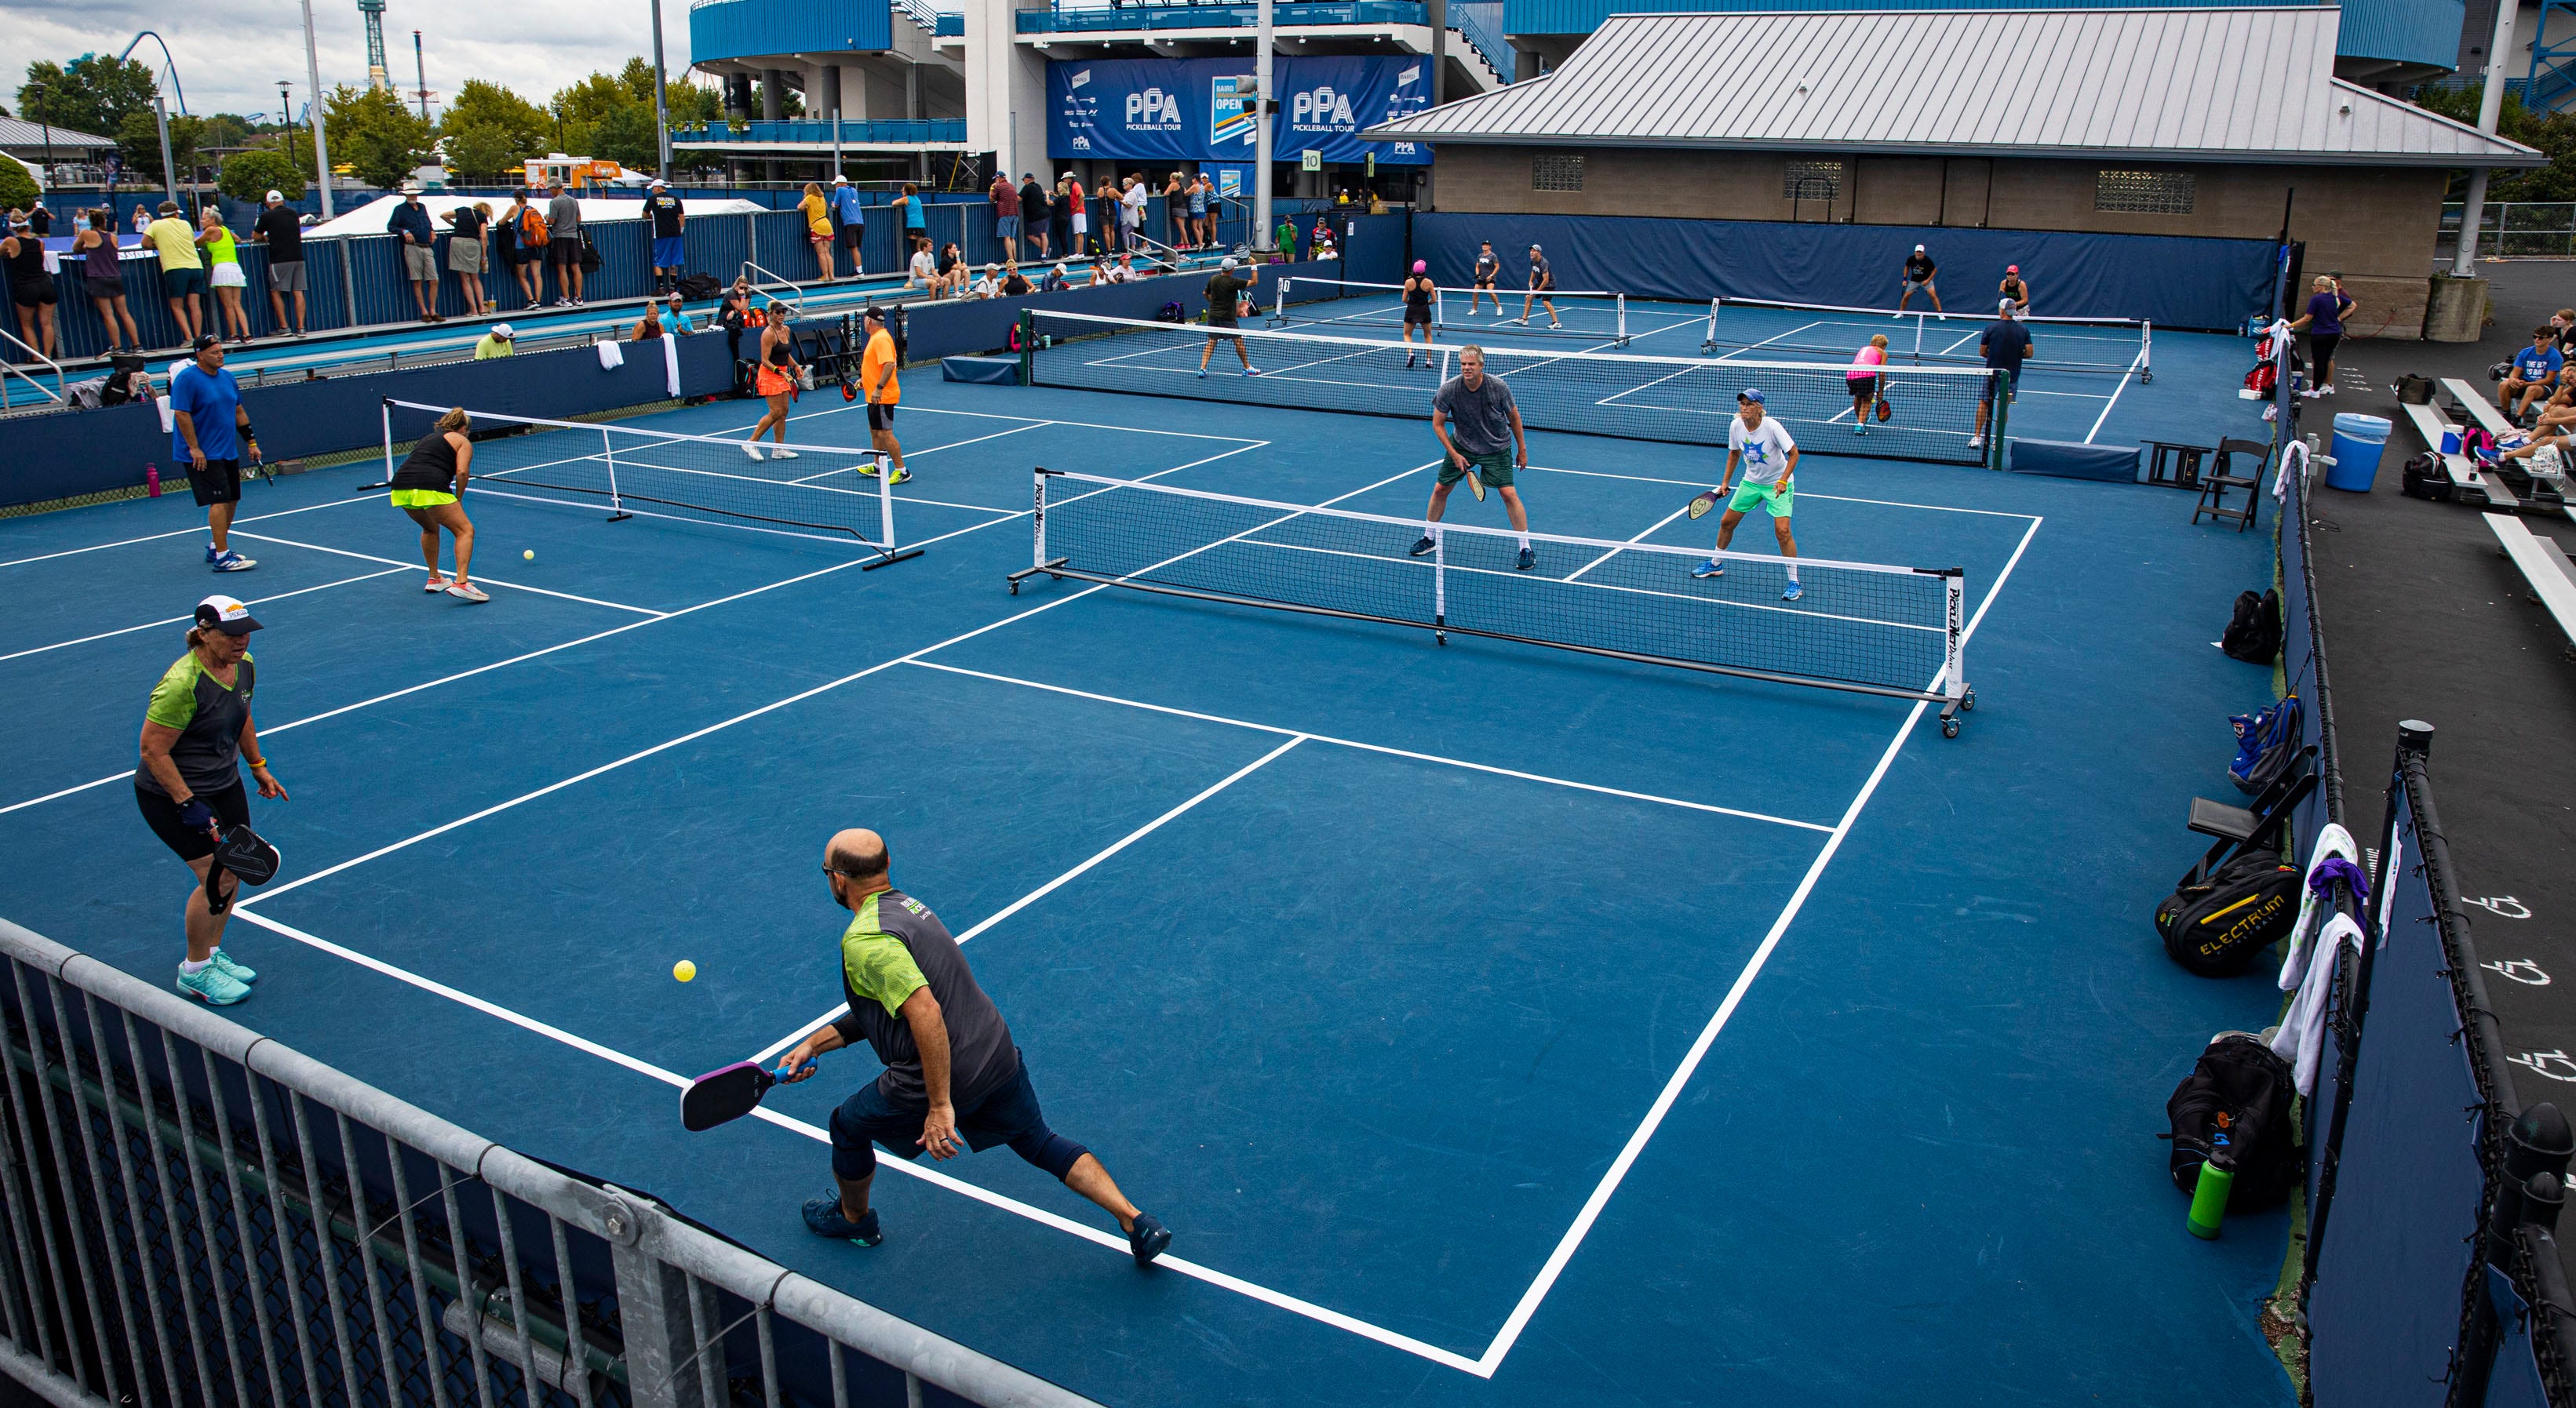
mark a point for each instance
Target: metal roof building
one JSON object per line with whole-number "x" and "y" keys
{"x": 2251, "y": 84}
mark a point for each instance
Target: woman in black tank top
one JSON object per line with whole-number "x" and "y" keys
{"x": 428, "y": 487}
{"x": 30, "y": 287}
{"x": 1419, "y": 292}
{"x": 97, "y": 248}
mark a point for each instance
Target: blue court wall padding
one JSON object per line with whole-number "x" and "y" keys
{"x": 2384, "y": 1314}
{"x": 64, "y": 453}
{"x": 1375, "y": 251}
{"x": 981, "y": 371}
{"x": 2170, "y": 280}
{"x": 2068, "y": 459}
{"x": 2516, "y": 1380}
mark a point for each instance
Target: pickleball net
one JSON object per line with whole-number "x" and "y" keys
{"x": 1352, "y": 303}
{"x": 1920, "y": 337}
{"x": 811, "y": 491}
{"x": 1862, "y": 627}
{"x": 1932, "y": 412}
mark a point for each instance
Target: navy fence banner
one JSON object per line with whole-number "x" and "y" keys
{"x": 2171, "y": 281}
{"x": 1167, "y": 110}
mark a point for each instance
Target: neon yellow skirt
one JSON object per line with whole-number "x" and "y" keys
{"x": 422, "y": 498}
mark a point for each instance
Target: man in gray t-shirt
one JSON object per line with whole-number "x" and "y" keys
{"x": 563, "y": 242}
{"x": 1479, "y": 426}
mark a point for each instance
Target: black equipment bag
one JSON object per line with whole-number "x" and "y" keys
{"x": 589, "y": 254}
{"x": 2254, "y": 628}
{"x": 125, "y": 374}
{"x": 2413, "y": 390}
{"x": 2423, "y": 478}
{"x": 1171, "y": 313}
{"x": 696, "y": 286}
{"x": 2218, "y": 927}
{"x": 2237, "y": 1100}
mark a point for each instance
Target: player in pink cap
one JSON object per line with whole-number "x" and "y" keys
{"x": 2016, "y": 288}
{"x": 1420, "y": 295}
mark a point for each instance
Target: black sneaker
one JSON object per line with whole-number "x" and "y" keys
{"x": 1528, "y": 560}
{"x": 823, "y": 1218}
{"x": 1421, "y": 547}
{"x": 1146, "y": 1239}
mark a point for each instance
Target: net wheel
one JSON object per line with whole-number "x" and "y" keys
{"x": 2145, "y": 377}
{"x": 1968, "y": 700}
{"x": 1949, "y": 728}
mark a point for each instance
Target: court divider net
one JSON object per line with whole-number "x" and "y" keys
{"x": 1916, "y": 413}
{"x": 1863, "y": 627}
{"x": 2111, "y": 346}
{"x": 1584, "y": 314}
{"x": 796, "y": 489}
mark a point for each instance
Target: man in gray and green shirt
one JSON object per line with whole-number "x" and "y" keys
{"x": 952, "y": 1073}
{"x": 1479, "y": 426}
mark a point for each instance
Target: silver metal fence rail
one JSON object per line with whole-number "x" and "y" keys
{"x": 198, "y": 1215}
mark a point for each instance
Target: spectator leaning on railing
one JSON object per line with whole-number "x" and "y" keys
{"x": 279, "y": 228}
{"x": 183, "y": 273}
{"x": 31, "y": 288}
{"x": 1006, "y": 214}
{"x": 410, "y": 224}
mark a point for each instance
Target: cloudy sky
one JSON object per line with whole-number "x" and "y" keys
{"x": 230, "y": 53}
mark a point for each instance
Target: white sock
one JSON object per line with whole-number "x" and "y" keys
{"x": 1793, "y": 570}
{"x": 1525, "y": 542}
{"x": 194, "y": 966}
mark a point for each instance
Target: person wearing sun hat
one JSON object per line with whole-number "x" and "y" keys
{"x": 499, "y": 342}
{"x": 197, "y": 736}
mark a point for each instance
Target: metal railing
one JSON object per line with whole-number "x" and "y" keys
{"x": 766, "y": 282}
{"x": 2517, "y": 229}
{"x": 1480, "y": 23}
{"x": 198, "y": 1215}
{"x": 1221, "y": 16}
{"x": 922, "y": 14}
{"x": 58, "y": 391}
{"x": 910, "y": 132}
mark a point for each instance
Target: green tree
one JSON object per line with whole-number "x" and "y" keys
{"x": 251, "y": 175}
{"x": 374, "y": 135}
{"x": 140, "y": 140}
{"x": 227, "y": 129}
{"x": 17, "y": 187}
{"x": 93, "y": 93}
{"x": 489, "y": 129}
{"x": 626, "y": 136}
{"x": 2552, "y": 134}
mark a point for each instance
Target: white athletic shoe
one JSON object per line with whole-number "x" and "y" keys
{"x": 782, "y": 454}
{"x": 467, "y": 591}
{"x": 751, "y": 450}
{"x": 1976, "y": 442}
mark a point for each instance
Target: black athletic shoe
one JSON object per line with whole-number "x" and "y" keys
{"x": 1421, "y": 547}
{"x": 823, "y": 1218}
{"x": 1146, "y": 1239}
{"x": 1528, "y": 560}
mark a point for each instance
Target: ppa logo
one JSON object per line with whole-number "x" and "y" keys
{"x": 1320, "y": 107}
{"x": 1152, "y": 108}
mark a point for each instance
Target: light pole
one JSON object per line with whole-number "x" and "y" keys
{"x": 47, "y": 121}
{"x": 321, "y": 144}
{"x": 661, "y": 108}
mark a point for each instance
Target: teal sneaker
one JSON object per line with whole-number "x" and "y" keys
{"x": 232, "y": 970}
{"x": 212, "y": 985}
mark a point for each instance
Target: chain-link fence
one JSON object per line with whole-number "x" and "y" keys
{"x": 192, "y": 1214}
{"x": 2516, "y": 230}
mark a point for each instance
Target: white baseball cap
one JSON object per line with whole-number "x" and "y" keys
{"x": 1918, "y": 249}
{"x": 658, "y": 183}
{"x": 840, "y": 180}
{"x": 225, "y": 614}
{"x": 273, "y": 197}
{"x": 2006, "y": 305}
{"x": 502, "y": 331}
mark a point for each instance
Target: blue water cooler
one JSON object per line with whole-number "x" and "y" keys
{"x": 2359, "y": 441}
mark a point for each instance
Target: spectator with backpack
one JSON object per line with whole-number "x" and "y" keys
{"x": 527, "y": 251}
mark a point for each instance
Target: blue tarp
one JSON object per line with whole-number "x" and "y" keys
{"x": 2169, "y": 280}
{"x": 1166, "y": 110}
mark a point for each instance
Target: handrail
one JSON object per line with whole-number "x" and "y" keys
{"x": 1480, "y": 23}
{"x": 795, "y": 305}
{"x": 62, "y": 390}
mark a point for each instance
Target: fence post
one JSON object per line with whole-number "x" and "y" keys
{"x": 653, "y": 1308}
{"x": 348, "y": 281}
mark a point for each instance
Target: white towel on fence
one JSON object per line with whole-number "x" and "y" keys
{"x": 2295, "y": 454}
{"x": 671, "y": 364}
{"x": 610, "y": 356}
{"x": 2301, "y": 1038}
{"x": 2332, "y": 841}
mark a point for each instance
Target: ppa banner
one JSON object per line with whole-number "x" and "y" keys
{"x": 1202, "y": 109}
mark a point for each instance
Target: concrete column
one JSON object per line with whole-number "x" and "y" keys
{"x": 823, "y": 91}
{"x": 773, "y": 83}
{"x": 1005, "y": 87}
{"x": 737, "y": 95}
{"x": 1524, "y": 65}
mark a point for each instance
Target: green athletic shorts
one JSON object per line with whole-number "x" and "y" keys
{"x": 1772, "y": 497}
{"x": 1494, "y": 469}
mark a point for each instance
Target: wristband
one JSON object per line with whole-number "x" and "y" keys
{"x": 247, "y": 432}
{"x": 255, "y": 762}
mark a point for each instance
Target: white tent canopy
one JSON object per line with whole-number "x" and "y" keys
{"x": 375, "y": 217}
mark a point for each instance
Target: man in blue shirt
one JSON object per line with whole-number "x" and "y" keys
{"x": 2004, "y": 344}
{"x": 851, "y": 217}
{"x": 2534, "y": 374}
{"x": 205, "y": 409}
{"x": 410, "y": 221}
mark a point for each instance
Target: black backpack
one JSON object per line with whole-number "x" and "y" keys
{"x": 2217, "y": 927}
{"x": 2254, "y": 628}
{"x": 1171, "y": 313}
{"x": 2237, "y": 1098}
{"x": 2423, "y": 478}
{"x": 696, "y": 286}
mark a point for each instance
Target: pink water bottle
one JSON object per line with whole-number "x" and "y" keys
{"x": 152, "y": 480}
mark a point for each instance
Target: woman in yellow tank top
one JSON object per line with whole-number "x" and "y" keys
{"x": 224, "y": 273}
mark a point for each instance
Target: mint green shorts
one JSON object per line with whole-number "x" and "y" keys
{"x": 1773, "y": 498}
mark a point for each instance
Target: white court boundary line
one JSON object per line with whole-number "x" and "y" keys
{"x": 397, "y": 562}
{"x": 175, "y": 620}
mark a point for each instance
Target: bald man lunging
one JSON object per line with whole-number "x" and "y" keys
{"x": 952, "y": 1074}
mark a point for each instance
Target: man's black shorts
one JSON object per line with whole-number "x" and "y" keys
{"x": 564, "y": 251}
{"x": 880, "y": 415}
{"x": 1004, "y": 1114}
{"x": 218, "y": 483}
{"x": 230, "y": 806}
{"x": 853, "y": 235}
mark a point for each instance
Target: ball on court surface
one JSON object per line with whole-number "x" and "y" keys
{"x": 530, "y": 554}
{"x": 684, "y": 970}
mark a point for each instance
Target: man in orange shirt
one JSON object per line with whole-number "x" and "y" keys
{"x": 878, "y": 383}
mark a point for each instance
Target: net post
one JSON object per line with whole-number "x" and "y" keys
{"x": 1028, "y": 347}
{"x": 608, "y": 450}
{"x": 1439, "y": 582}
{"x": 2146, "y": 350}
{"x": 885, "y": 503}
{"x": 1037, "y": 517}
{"x": 1708, "y": 344}
{"x": 1955, "y": 588}
{"x": 388, "y": 409}
{"x": 1918, "y": 339}
{"x": 2002, "y": 387}
{"x": 1619, "y": 310}
{"x": 1279, "y": 303}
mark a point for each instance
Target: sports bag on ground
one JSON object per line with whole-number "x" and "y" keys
{"x": 2424, "y": 478}
{"x": 696, "y": 286}
{"x": 2254, "y": 628}
{"x": 2413, "y": 390}
{"x": 2237, "y": 1099}
{"x": 2218, "y": 927}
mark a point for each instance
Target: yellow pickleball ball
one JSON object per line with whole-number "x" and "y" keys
{"x": 530, "y": 554}
{"x": 684, "y": 970}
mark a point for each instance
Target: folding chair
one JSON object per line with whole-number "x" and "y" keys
{"x": 2259, "y": 827}
{"x": 2215, "y": 484}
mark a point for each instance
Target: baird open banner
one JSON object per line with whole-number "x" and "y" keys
{"x": 1201, "y": 109}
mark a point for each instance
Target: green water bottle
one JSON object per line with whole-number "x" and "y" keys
{"x": 2209, "y": 1195}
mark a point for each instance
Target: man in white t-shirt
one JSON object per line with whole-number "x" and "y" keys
{"x": 1768, "y": 456}
{"x": 1133, "y": 199}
